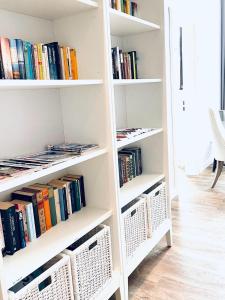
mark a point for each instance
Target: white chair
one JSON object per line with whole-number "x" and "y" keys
{"x": 218, "y": 134}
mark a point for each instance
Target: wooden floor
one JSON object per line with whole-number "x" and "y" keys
{"x": 194, "y": 268}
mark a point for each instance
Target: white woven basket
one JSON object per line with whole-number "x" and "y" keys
{"x": 157, "y": 208}
{"x": 58, "y": 282}
{"x": 134, "y": 225}
{"x": 91, "y": 263}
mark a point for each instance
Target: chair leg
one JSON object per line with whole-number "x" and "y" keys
{"x": 214, "y": 165}
{"x": 218, "y": 172}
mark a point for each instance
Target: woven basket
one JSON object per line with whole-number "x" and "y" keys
{"x": 134, "y": 225}
{"x": 53, "y": 284}
{"x": 91, "y": 261}
{"x": 157, "y": 207}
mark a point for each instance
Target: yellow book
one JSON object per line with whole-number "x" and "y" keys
{"x": 65, "y": 62}
{"x": 40, "y": 63}
{"x": 74, "y": 65}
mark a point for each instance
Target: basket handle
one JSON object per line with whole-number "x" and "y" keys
{"x": 45, "y": 283}
{"x": 133, "y": 212}
{"x": 157, "y": 193}
{"x": 93, "y": 245}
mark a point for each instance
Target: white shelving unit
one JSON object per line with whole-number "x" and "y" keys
{"x": 88, "y": 110}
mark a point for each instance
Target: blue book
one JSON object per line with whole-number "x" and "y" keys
{"x": 21, "y": 62}
{"x": 14, "y": 59}
{"x": 28, "y": 57}
{"x": 61, "y": 203}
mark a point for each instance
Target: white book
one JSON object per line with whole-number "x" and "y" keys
{"x": 30, "y": 222}
{"x": 2, "y": 241}
{"x": 62, "y": 63}
{"x": 57, "y": 205}
{"x": 46, "y": 63}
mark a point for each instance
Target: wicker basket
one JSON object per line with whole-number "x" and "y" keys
{"x": 134, "y": 225}
{"x": 157, "y": 207}
{"x": 91, "y": 261}
{"x": 55, "y": 283}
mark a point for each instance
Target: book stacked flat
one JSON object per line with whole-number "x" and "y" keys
{"x": 35, "y": 209}
{"x": 23, "y": 60}
{"x": 126, "y": 6}
{"x": 130, "y": 164}
{"x": 124, "y": 64}
{"x": 21, "y": 165}
{"x": 129, "y": 133}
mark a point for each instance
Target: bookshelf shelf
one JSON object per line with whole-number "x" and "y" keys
{"x": 20, "y": 180}
{"x": 45, "y": 84}
{"x": 135, "y": 81}
{"x": 147, "y": 247}
{"x": 123, "y": 24}
{"x": 137, "y": 186}
{"x": 48, "y": 9}
{"x": 51, "y": 243}
{"x": 140, "y": 137}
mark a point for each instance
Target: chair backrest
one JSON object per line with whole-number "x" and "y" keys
{"x": 218, "y": 131}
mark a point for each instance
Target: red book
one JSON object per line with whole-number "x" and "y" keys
{"x": 6, "y": 58}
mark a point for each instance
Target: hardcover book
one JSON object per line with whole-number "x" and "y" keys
{"x": 14, "y": 59}
{"x": 20, "y": 55}
{"x": 28, "y": 58}
{"x": 6, "y": 58}
{"x": 19, "y": 219}
{"x": 2, "y": 241}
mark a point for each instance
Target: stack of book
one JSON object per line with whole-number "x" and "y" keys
{"x": 124, "y": 64}
{"x": 129, "y": 133}
{"x": 126, "y": 6}
{"x": 35, "y": 209}
{"x": 21, "y": 165}
{"x": 130, "y": 164}
{"x": 23, "y": 60}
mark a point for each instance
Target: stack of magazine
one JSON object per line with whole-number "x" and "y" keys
{"x": 54, "y": 154}
{"x": 128, "y": 133}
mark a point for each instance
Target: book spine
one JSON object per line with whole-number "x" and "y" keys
{"x": 57, "y": 205}
{"x": 65, "y": 62}
{"x": 6, "y": 58}
{"x": 47, "y": 211}
{"x": 43, "y": 57}
{"x": 54, "y": 63}
{"x": 78, "y": 198}
{"x": 52, "y": 206}
{"x": 69, "y": 62}
{"x": 68, "y": 199}
{"x": 2, "y": 241}
{"x": 2, "y": 74}
{"x": 73, "y": 196}
{"x": 62, "y": 64}
{"x": 74, "y": 64}
{"x": 62, "y": 205}
{"x": 36, "y": 62}
{"x": 28, "y": 60}
{"x": 50, "y": 61}
{"x": 40, "y": 63}
{"x": 82, "y": 190}
{"x": 57, "y": 60}
{"x": 46, "y": 62}
{"x": 10, "y": 230}
{"x": 21, "y": 62}
{"x": 19, "y": 217}
{"x": 22, "y": 208}
{"x": 14, "y": 59}
{"x": 65, "y": 203}
{"x": 30, "y": 222}
{"x": 41, "y": 212}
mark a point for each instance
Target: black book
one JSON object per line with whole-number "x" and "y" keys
{"x": 10, "y": 227}
{"x": 133, "y": 164}
{"x": 65, "y": 203}
{"x": 79, "y": 190}
{"x": 56, "y": 65}
{"x": 120, "y": 171}
{"x": 138, "y": 158}
{"x": 30, "y": 197}
{"x": 19, "y": 218}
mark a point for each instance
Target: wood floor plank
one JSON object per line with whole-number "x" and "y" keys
{"x": 194, "y": 268}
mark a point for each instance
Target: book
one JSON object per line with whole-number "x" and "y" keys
{"x": 21, "y": 62}
{"x": 45, "y": 197}
{"x": 36, "y": 61}
{"x": 14, "y": 59}
{"x": 55, "y": 51}
{"x": 40, "y": 62}
{"x": 57, "y": 204}
{"x": 28, "y": 58}
{"x": 74, "y": 64}
{"x": 65, "y": 195}
{"x": 30, "y": 197}
{"x": 80, "y": 179}
{"x": 69, "y": 62}
{"x": 2, "y": 240}
{"x": 40, "y": 204}
{"x": 62, "y": 198}
{"x": 10, "y": 227}
{"x": 51, "y": 200}
{"x": 46, "y": 66}
{"x": 63, "y": 76}
{"x": 22, "y": 207}
{"x": 19, "y": 219}
{"x": 65, "y": 63}
{"x": 6, "y": 58}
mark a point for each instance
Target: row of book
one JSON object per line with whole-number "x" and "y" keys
{"x": 55, "y": 154}
{"x": 35, "y": 209}
{"x": 23, "y": 60}
{"x": 126, "y": 6}
{"x": 124, "y": 64}
{"x": 130, "y": 164}
{"x": 129, "y": 133}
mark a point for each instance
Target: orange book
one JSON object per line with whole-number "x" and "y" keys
{"x": 65, "y": 63}
{"x": 74, "y": 65}
{"x": 47, "y": 211}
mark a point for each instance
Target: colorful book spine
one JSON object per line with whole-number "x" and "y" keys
{"x": 21, "y": 207}
{"x": 28, "y": 57}
{"x": 74, "y": 64}
{"x": 40, "y": 63}
{"x": 47, "y": 71}
{"x": 2, "y": 241}
{"x": 6, "y": 58}
{"x": 62, "y": 64}
{"x": 19, "y": 218}
{"x": 2, "y": 74}
{"x": 21, "y": 62}
{"x": 36, "y": 62}
{"x": 51, "y": 63}
{"x": 57, "y": 205}
{"x": 14, "y": 59}
{"x": 30, "y": 222}
{"x": 69, "y": 62}
{"x": 65, "y": 62}
{"x": 56, "y": 59}
{"x": 47, "y": 208}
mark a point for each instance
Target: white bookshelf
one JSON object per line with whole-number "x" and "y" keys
{"x": 88, "y": 110}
